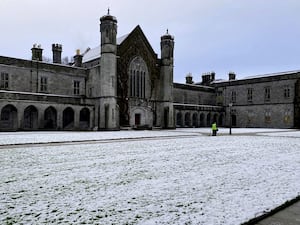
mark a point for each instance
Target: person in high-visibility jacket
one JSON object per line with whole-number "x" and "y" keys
{"x": 214, "y": 129}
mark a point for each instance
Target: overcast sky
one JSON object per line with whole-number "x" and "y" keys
{"x": 248, "y": 37}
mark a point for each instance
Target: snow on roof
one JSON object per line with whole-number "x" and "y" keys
{"x": 95, "y": 53}
{"x": 92, "y": 54}
{"x": 259, "y": 76}
{"x": 271, "y": 74}
{"x": 121, "y": 39}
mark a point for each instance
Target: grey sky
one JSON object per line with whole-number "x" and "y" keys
{"x": 248, "y": 37}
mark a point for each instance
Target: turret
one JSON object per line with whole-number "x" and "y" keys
{"x": 166, "y": 80}
{"x": 108, "y": 73}
{"x": 167, "y": 51}
{"x": 108, "y": 29}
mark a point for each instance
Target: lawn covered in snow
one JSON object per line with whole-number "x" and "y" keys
{"x": 189, "y": 178}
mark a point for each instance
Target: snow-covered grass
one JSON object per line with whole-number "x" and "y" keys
{"x": 61, "y": 136}
{"x": 192, "y": 180}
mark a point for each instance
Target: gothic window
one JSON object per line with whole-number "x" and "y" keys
{"x": 138, "y": 78}
{"x": 76, "y": 87}
{"x": 44, "y": 84}
{"x": 4, "y": 81}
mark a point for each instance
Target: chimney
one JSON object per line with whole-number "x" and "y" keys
{"x": 78, "y": 59}
{"x": 189, "y": 79}
{"x": 212, "y": 76}
{"x": 56, "y": 49}
{"x": 207, "y": 78}
{"x": 231, "y": 75}
{"x": 37, "y": 52}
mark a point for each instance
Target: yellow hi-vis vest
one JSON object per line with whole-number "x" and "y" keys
{"x": 214, "y": 126}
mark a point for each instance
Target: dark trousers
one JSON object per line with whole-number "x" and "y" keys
{"x": 214, "y": 133}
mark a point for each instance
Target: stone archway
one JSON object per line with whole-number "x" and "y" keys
{"x": 9, "y": 118}
{"x": 195, "y": 120}
{"x": 84, "y": 118}
{"x": 208, "y": 120}
{"x": 50, "y": 118}
{"x": 68, "y": 119}
{"x": 187, "y": 119}
{"x": 30, "y": 121}
{"x": 179, "y": 119}
{"x": 202, "y": 120}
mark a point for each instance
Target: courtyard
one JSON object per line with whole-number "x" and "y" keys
{"x": 182, "y": 176}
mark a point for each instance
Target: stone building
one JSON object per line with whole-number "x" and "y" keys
{"x": 265, "y": 101}
{"x": 270, "y": 100}
{"x": 120, "y": 83}
{"x": 123, "y": 83}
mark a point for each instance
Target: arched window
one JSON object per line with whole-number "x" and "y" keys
{"x": 138, "y": 78}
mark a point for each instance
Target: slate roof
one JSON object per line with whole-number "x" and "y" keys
{"x": 94, "y": 53}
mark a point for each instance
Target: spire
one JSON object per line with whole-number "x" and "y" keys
{"x": 108, "y": 16}
{"x": 167, "y": 31}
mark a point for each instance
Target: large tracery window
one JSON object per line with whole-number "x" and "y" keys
{"x": 138, "y": 73}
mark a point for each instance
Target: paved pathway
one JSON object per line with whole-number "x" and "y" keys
{"x": 287, "y": 216}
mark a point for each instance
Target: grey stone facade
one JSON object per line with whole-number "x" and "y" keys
{"x": 261, "y": 101}
{"x": 123, "y": 83}
{"x": 120, "y": 83}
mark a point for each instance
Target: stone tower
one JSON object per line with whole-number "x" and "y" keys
{"x": 109, "y": 110}
{"x": 166, "y": 81}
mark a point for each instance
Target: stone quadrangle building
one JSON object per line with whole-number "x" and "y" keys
{"x": 122, "y": 83}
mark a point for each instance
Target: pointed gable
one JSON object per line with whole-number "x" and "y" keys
{"x": 136, "y": 44}
{"x": 136, "y": 39}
